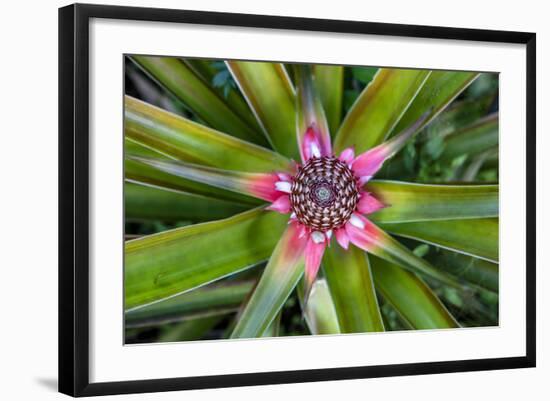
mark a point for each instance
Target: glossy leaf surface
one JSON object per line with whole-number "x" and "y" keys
{"x": 144, "y": 174}
{"x": 198, "y": 95}
{"x": 175, "y": 261}
{"x": 329, "y": 81}
{"x": 349, "y": 278}
{"x": 207, "y": 301}
{"x": 146, "y": 203}
{"x": 379, "y": 108}
{"x": 232, "y": 97}
{"x": 408, "y": 202}
{"x": 410, "y": 296}
{"x": 183, "y": 139}
{"x": 319, "y": 313}
{"x": 270, "y": 94}
{"x": 310, "y": 113}
{"x": 476, "y": 237}
{"x": 374, "y": 240}
{"x": 261, "y": 186}
{"x": 440, "y": 89}
{"x": 280, "y": 276}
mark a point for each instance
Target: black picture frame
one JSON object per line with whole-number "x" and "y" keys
{"x": 74, "y": 198}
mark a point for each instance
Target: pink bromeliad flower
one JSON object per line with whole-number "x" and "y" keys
{"x": 325, "y": 196}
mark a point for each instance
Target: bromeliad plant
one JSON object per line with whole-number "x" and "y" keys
{"x": 282, "y": 142}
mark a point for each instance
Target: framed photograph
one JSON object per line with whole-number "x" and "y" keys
{"x": 250, "y": 199}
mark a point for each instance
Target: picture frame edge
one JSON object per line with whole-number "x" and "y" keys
{"x": 73, "y": 268}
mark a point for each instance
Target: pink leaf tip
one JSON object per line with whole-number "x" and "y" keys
{"x": 313, "y": 255}
{"x": 347, "y": 155}
{"x": 281, "y": 205}
{"x": 311, "y": 145}
{"x": 342, "y": 238}
{"x": 369, "y": 204}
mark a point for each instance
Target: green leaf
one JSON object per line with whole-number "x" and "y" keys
{"x": 208, "y": 69}
{"x": 476, "y": 271}
{"x": 475, "y": 237}
{"x": 410, "y": 296}
{"x": 198, "y": 95}
{"x": 274, "y": 327}
{"x": 373, "y": 239}
{"x": 214, "y": 300}
{"x": 310, "y": 112}
{"x": 145, "y": 203}
{"x": 473, "y": 139}
{"x": 204, "y": 68}
{"x": 136, "y": 149}
{"x": 282, "y": 273}
{"x": 329, "y": 80}
{"x": 379, "y": 108}
{"x": 175, "y": 261}
{"x": 186, "y": 140}
{"x": 319, "y": 313}
{"x": 408, "y": 202}
{"x": 269, "y": 93}
{"x": 143, "y": 174}
{"x": 350, "y": 282}
{"x": 260, "y": 186}
{"x": 190, "y": 330}
{"x": 439, "y": 90}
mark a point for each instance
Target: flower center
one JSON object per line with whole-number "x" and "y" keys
{"x": 324, "y": 193}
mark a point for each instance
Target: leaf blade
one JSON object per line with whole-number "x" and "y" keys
{"x": 408, "y": 202}
{"x": 379, "y": 108}
{"x": 145, "y": 203}
{"x": 475, "y": 237}
{"x": 440, "y": 89}
{"x": 378, "y": 242}
{"x": 182, "y": 139}
{"x": 180, "y": 80}
{"x": 269, "y": 93}
{"x": 143, "y": 174}
{"x": 310, "y": 114}
{"x": 410, "y": 296}
{"x": 261, "y": 186}
{"x": 234, "y": 99}
{"x": 169, "y": 263}
{"x": 282, "y": 273}
{"x": 207, "y": 301}
{"x": 330, "y": 84}
{"x": 349, "y": 278}
{"x": 320, "y": 314}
